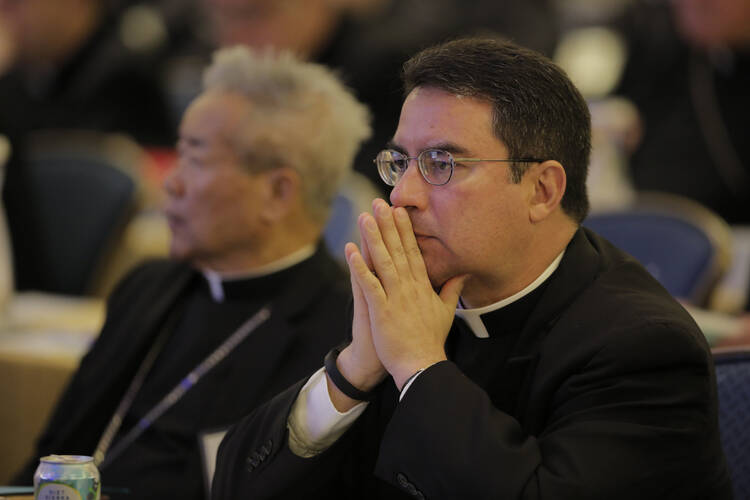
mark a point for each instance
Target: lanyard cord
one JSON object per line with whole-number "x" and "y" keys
{"x": 101, "y": 456}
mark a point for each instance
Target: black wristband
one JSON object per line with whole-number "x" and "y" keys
{"x": 340, "y": 381}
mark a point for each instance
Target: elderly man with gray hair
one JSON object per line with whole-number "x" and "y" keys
{"x": 250, "y": 300}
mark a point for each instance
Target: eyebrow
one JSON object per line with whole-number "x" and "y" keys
{"x": 393, "y": 145}
{"x": 450, "y": 147}
{"x": 190, "y": 141}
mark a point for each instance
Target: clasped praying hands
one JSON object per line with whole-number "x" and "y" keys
{"x": 400, "y": 322}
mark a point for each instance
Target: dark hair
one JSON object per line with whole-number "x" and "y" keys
{"x": 537, "y": 111}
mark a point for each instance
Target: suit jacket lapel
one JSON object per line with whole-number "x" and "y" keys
{"x": 131, "y": 334}
{"x": 577, "y": 269}
{"x": 263, "y": 350}
{"x": 266, "y": 347}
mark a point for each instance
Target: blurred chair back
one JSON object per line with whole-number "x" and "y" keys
{"x": 82, "y": 195}
{"x": 683, "y": 244}
{"x": 6, "y": 253}
{"x": 733, "y": 382}
{"x": 354, "y": 197}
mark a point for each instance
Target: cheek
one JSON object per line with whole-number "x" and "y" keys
{"x": 206, "y": 205}
{"x": 235, "y": 208}
{"x": 217, "y": 194}
{"x": 488, "y": 227}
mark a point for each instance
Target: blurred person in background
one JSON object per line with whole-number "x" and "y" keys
{"x": 71, "y": 64}
{"x": 688, "y": 73}
{"x": 311, "y": 29}
{"x": 261, "y": 153}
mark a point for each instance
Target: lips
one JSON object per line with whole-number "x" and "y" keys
{"x": 423, "y": 241}
{"x": 422, "y": 234}
{"x": 173, "y": 219}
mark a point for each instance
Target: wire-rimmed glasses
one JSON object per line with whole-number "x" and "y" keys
{"x": 435, "y": 165}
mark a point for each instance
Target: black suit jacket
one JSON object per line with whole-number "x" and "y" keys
{"x": 307, "y": 318}
{"x": 608, "y": 391}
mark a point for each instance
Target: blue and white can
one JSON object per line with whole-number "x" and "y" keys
{"x": 67, "y": 477}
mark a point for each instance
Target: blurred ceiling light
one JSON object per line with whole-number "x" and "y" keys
{"x": 594, "y": 59}
{"x": 142, "y": 28}
{"x": 591, "y": 11}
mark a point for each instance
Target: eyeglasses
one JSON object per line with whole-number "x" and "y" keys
{"x": 435, "y": 165}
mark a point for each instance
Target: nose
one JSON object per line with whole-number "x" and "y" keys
{"x": 172, "y": 183}
{"x": 411, "y": 190}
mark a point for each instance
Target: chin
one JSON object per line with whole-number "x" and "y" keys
{"x": 180, "y": 252}
{"x": 437, "y": 276}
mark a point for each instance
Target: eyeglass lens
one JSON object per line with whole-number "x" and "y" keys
{"x": 435, "y": 165}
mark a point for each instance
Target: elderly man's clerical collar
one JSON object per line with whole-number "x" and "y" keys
{"x": 473, "y": 317}
{"x": 217, "y": 281}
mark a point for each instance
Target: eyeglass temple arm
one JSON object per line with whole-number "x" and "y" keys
{"x": 505, "y": 160}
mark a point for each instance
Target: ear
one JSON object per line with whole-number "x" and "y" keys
{"x": 283, "y": 193}
{"x": 547, "y": 190}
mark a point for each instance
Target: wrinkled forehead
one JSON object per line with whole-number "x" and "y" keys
{"x": 217, "y": 111}
{"x": 212, "y": 119}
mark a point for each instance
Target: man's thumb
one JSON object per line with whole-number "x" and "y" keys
{"x": 452, "y": 290}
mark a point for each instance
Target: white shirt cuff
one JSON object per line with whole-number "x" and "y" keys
{"x": 314, "y": 423}
{"x": 411, "y": 381}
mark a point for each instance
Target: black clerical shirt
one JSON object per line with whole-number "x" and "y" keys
{"x": 170, "y": 442}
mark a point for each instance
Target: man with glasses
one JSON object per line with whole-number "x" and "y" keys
{"x": 499, "y": 349}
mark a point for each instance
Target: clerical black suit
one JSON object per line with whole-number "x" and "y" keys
{"x": 596, "y": 385}
{"x": 309, "y": 304}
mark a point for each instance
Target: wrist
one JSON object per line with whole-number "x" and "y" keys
{"x": 355, "y": 371}
{"x": 343, "y": 394}
{"x": 340, "y": 401}
{"x": 406, "y": 371}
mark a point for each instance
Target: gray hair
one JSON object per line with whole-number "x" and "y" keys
{"x": 310, "y": 120}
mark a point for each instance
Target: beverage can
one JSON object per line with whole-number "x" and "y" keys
{"x": 66, "y": 477}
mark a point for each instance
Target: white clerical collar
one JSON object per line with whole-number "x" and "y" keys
{"x": 472, "y": 317}
{"x": 215, "y": 279}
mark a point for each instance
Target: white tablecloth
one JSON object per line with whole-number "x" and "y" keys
{"x": 42, "y": 339}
